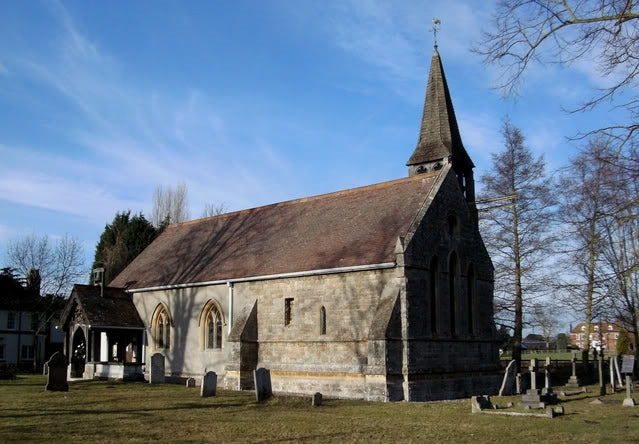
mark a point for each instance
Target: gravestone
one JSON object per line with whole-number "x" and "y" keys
{"x": 548, "y": 396}
{"x": 509, "y": 383}
{"x": 262, "y": 379}
{"x": 532, "y": 398}
{"x": 190, "y": 382}
{"x": 157, "y": 369}
{"x": 520, "y": 385}
{"x": 602, "y": 383}
{"x": 611, "y": 368}
{"x": 480, "y": 403}
{"x": 316, "y": 400}
{"x": 573, "y": 381}
{"x": 627, "y": 367}
{"x": 45, "y": 368}
{"x": 628, "y": 401}
{"x": 57, "y": 375}
{"x": 209, "y": 384}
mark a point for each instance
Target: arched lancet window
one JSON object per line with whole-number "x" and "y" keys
{"x": 322, "y": 321}
{"x": 432, "y": 293}
{"x": 211, "y": 324}
{"x": 453, "y": 224}
{"x": 470, "y": 294}
{"x": 452, "y": 306}
{"x": 214, "y": 329}
{"x": 161, "y": 328}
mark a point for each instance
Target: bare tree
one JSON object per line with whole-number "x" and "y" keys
{"x": 517, "y": 236}
{"x": 170, "y": 205}
{"x": 541, "y": 315}
{"x": 59, "y": 266}
{"x": 211, "y": 209}
{"x": 585, "y": 204}
{"x": 621, "y": 248}
{"x": 604, "y": 32}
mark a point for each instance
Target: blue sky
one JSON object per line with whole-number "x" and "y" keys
{"x": 247, "y": 102}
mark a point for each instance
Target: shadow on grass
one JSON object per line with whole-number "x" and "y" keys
{"x": 132, "y": 412}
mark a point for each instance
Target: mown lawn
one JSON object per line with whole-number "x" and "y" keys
{"x": 98, "y": 411}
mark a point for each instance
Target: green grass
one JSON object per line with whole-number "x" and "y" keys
{"x": 98, "y": 411}
{"x": 554, "y": 355}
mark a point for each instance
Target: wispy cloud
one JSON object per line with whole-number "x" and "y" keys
{"x": 4, "y": 233}
{"x": 128, "y": 138}
{"x": 396, "y": 38}
{"x": 480, "y": 134}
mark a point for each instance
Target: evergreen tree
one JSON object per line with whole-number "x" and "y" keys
{"x": 622, "y": 343}
{"x": 122, "y": 240}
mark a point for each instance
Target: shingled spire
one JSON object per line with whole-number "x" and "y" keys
{"x": 439, "y": 140}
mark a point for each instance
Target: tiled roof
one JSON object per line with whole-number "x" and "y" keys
{"x": 354, "y": 227}
{"x": 439, "y": 135}
{"x": 114, "y": 309}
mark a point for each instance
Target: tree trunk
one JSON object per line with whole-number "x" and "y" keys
{"x": 519, "y": 318}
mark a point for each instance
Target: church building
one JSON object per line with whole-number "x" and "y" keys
{"x": 383, "y": 292}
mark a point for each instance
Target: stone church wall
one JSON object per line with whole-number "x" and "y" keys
{"x": 186, "y": 356}
{"x": 445, "y": 362}
{"x": 301, "y": 359}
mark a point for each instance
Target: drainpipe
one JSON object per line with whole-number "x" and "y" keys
{"x": 230, "y": 285}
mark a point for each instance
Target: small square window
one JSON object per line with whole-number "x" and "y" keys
{"x": 288, "y": 311}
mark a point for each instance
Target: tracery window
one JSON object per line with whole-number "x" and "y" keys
{"x": 213, "y": 327}
{"x": 161, "y": 328}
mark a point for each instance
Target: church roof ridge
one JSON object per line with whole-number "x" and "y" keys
{"x": 309, "y": 198}
{"x": 348, "y": 228}
{"x": 439, "y": 135}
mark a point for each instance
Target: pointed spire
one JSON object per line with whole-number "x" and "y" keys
{"x": 439, "y": 138}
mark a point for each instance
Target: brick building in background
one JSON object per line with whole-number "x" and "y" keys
{"x": 602, "y": 334}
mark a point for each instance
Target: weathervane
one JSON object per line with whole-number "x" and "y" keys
{"x": 436, "y": 25}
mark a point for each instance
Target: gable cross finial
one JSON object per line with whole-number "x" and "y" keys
{"x": 436, "y": 25}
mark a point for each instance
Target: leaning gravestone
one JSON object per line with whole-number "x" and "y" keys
{"x": 209, "y": 384}
{"x": 157, "y": 369}
{"x": 57, "y": 375}
{"x": 262, "y": 379}
{"x": 508, "y": 385}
